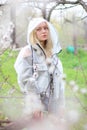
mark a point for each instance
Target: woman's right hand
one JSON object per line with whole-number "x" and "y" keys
{"x": 38, "y": 114}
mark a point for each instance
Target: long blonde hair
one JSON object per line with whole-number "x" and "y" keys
{"x": 49, "y": 45}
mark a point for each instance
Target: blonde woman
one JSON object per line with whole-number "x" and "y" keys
{"x": 38, "y": 67}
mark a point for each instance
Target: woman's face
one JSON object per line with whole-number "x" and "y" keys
{"x": 42, "y": 31}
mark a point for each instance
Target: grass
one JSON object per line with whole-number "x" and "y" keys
{"x": 7, "y": 65}
{"x": 75, "y": 66}
{"x": 8, "y": 77}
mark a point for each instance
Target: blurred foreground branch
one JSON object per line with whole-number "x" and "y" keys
{"x": 18, "y": 124}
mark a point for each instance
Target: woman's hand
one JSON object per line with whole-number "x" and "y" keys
{"x": 38, "y": 114}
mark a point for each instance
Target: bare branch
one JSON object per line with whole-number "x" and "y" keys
{"x": 80, "y": 2}
{"x": 84, "y": 5}
{"x": 84, "y": 17}
{"x": 19, "y": 124}
{"x": 67, "y": 2}
{"x": 58, "y": 2}
{"x": 48, "y": 18}
{"x": 5, "y": 121}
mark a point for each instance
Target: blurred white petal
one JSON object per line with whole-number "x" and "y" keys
{"x": 83, "y": 90}
{"x": 73, "y": 116}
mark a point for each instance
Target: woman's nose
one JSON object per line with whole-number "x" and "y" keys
{"x": 44, "y": 30}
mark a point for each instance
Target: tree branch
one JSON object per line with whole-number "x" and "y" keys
{"x": 58, "y": 2}
{"x": 83, "y": 4}
{"x": 19, "y": 124}
{"x": 80, "y": 2}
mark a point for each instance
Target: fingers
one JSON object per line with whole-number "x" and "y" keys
{"x": 38, "y": 115}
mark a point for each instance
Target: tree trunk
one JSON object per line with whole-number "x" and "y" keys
{"x": 13, "y": 19}
{"x": 74, "y": 35}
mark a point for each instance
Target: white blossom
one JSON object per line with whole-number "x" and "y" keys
{"x": 73, "y": 116}
{"x": 11, "y": 91}
{"x": 1, "y": 13}
{"x": 63, "y": 76}
{"x": 5, "y": 36}
{"x": 11, "y": 25}
{"x": 85, "y": 127}
{"x": 10, "y": 31}
{"x": 32, "y": 103}
{"x": 72, "y": 83}
{"x": 83, "y": 90}
{"x": 75, "y": 88}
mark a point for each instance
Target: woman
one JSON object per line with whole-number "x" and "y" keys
{"x": 38, "y": 67}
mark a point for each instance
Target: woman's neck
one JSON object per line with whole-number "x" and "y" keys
{"x": 43, "y": 44}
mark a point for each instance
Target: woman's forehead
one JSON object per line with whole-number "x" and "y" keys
{"x": 42, "y": 24}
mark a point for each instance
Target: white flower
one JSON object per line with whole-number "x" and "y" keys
{"x": 11, "y": 91}
{"x": 85, "y": 127}
{"x": 10, "y": 31}
{"x": 32, "y": 103}
{"x": 73, "y": 116}
{"x": 11, "y": 25}
{"x": 83, "y": 90}
{"x": 72, "y": 83}
{"x": 75, "y": 88}
{"x": 5, "y": 37}
{"x": 1, "y": 12}
{"x": 63, "y": 76}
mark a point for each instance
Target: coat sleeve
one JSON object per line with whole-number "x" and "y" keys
{"x": 23, "y": 67}
{"x": 61, "y": 99}
{"x": 59, "y": 83}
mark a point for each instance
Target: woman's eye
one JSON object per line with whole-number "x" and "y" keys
{"x": 42, "y": 28}
{"x": 38, "y": 29}
{"x": 45, "y": 28}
